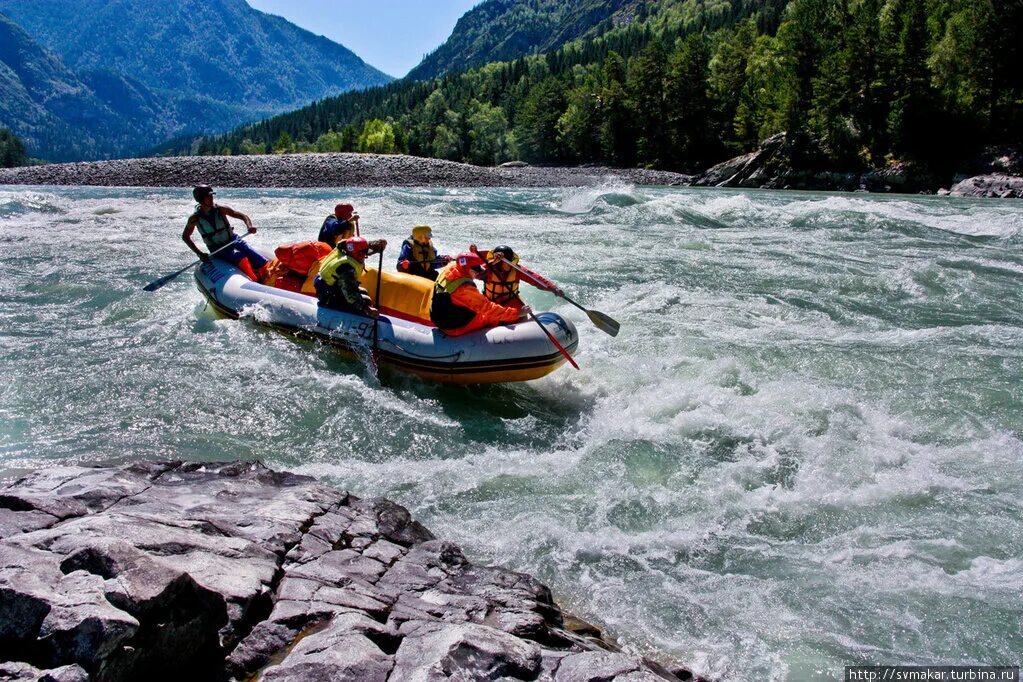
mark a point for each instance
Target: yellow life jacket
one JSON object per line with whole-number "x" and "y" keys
{"x": 335, "y": 260}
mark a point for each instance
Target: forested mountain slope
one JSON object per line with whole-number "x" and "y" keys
{"x": 502, "y": 30}
{"x": 175, "y": 67}
{"x": 683, "y": 84}
{"x": 45, "y": 103}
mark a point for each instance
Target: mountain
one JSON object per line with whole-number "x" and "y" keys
{"x": 682, "y": 84}
{"x": 167, "y": 67}
{"x": 46, "y": 104}
{"x": 502, "y": 30}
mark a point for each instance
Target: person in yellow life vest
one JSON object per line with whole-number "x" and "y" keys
{"x": 337, "y": 284}
{"x": 340, "y": 225}
{"x": 458, "y": 307}
{"x": 418, "y": 255}
{"x": 502, "y": 282}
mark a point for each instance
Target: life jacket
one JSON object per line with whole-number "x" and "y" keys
{"x": 332, "y": 228}
{"x": 423, "y": 256}
{"x": 214, "y": 234}
{"x": 443, "y": 311}
{"x": 502, "y": 287}
{"x": 300, "y": 256}
{"x": 334, "y": 261}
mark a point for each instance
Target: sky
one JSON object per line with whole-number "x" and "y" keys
{"x": 392, "y": 35}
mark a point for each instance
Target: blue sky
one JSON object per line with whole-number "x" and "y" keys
{"x": 392, "y": 35}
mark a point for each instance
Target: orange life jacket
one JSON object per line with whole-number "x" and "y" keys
{"x": 300, "y": 256}
{"x": 502, "y": 287}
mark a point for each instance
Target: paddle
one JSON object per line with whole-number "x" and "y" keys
{"x": 553, "y": 340}
{"x": 156, "y": 284}
{"x": 376, "y": 320}
{"x": 601, "y": 321}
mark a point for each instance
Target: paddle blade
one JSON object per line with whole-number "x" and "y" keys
{"x": 153, "y": 286}
{"x": 603, "y": 322}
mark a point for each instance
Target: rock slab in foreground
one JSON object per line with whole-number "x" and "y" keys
{"x": 173, "y": 570}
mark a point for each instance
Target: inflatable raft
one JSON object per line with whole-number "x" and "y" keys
{"x": 406, "y": 340}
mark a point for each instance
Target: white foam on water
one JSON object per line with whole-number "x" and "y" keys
{"x": 802, "y": 450}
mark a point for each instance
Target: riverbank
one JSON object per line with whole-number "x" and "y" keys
{"x": 766, "y": 168}
{"x": 164, "y": 570}
{"x": 321, "y": 170}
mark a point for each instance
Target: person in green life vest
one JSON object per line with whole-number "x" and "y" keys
{"x": 418, "y": 255}
{"x": 337, "y": 284}
{"x": 217, "y": 234}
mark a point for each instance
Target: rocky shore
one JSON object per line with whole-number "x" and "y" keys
{"x": 997, "y": 173}
{"x": 231, "y": 571}
{"x": 321, "y": 170}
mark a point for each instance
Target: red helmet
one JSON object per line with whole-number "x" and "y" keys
{"x": 471, "y": 262}
{"x": 356, "y": 247}
{"x": 344, "y": 211}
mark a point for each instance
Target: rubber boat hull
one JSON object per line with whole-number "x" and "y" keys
{"x": 506, "y": 353}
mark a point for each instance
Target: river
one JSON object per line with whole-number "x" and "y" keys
{"x": 802, "y": 452}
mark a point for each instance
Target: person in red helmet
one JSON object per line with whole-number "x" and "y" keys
{"x": 218, "y": 235}
{"x": 458, "y": 307}
{"x": 337, "y": 284}
{"x": 340, "y": 225}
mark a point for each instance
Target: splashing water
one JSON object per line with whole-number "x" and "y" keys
{"x": 802, "y": 452}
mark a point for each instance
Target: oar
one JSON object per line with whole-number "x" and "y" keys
{"x": 553, "y": 340}
{"x": 376, "y": 320}
{"x": 156, "y": 284}
{"x": 602, "y": 322}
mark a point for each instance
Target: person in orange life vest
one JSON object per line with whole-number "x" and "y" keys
{"x": 339, "y": 226}
{"x": 337, "y": 284}
{"x": 418, "y": 255}
{"x": 458, "y": 307}
{"x": 502, "y": 282}
{"x": 216, "y": 233}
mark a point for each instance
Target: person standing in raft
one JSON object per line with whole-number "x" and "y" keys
{"x": 458, "y": 307}
{"x": 339, "y": 226}
{"x": 337, "y": 284}
{"x": 216, "y": 233}
{"x": 418, "y": 255}
{"x": 502, "y": 283}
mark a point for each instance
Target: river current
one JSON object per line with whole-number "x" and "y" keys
{"x": 803, "y": 451}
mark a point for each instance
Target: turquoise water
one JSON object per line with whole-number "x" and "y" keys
{"x": 802, "y": 452}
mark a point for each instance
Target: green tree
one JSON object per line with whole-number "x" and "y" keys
{"x": 804, "y": 37}
{"x": 536, "y": 129}
{"x": 349, "y": 138}
{"x": 865, "y": 62}
{"x": 488, "y": 129}
{"x": 727, "y": 78}
{"x": 377, "y": 137}
{"x": 688, "y": 109}
{"x": 760, "y": 112}
{"x": 12, "y": 150}
{"x": 247, "y": 146}
{"x": 616, "y": 135}
{"x": 578, "y": 129}
{"x": 328, "y": 142}
{"x": 284, "y": 144}
{"x": 914, "y": 122}
{"x": 646, "y": 91}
